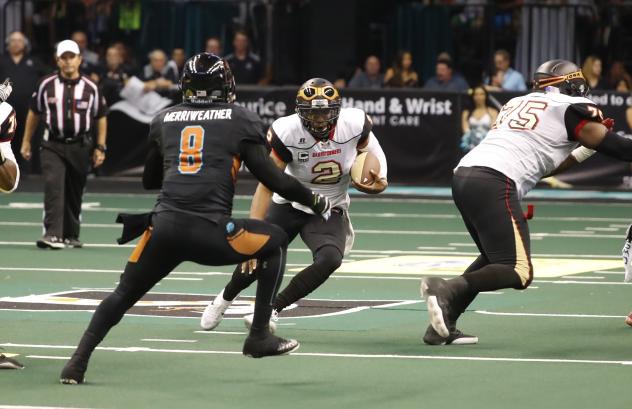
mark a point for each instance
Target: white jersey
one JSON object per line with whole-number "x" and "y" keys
{"x": 8, "y": 125}
{"x": 532, "y": 136}
{"x": 323, "y": 167}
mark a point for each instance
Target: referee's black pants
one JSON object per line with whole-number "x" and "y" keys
{"x": 64, "y": 168}
{"x": 175, "y": 237}
{"x": 489, "y": 205}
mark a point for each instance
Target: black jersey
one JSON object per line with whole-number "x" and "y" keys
{"x": 201, "y": 148}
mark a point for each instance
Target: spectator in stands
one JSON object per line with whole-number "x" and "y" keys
{"x": 24, "y": 71}
{"x": 592, "y": 69}
{"x": 158, "y": 75}
{"x": 214, "y": 46}
{"x": 617, "y": 73}
{"x": 369, "y": 78}
{"x": 246, "y": 66}
{"x": 444, "y": 80}
{"x": 512, "y": 79}
{"x": 114, "y": 76}
{"x": 90, "y": 62}
{"x": 477, "y": 119}
{"x": 178, "y": 58}
{"x": 401, "y": 74}
{"x": 81, "y": 39}
{"x": 623, "y": 85}
{"x": 128, "y": 56}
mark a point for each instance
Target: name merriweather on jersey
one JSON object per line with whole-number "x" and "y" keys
{"x": 206, "y": 115}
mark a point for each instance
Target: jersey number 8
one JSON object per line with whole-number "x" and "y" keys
{"x": 191, "y": 146}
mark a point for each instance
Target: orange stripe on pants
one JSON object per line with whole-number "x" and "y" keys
{"x": 133, "y": 258}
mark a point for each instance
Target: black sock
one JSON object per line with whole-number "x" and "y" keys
{"x": 493, "y": 277}
{"x": 238, "y": 282}
{"x": 269, "y": 276}
{"x": 326, "y": 260}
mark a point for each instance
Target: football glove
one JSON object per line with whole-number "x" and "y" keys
{"x": 627, "y": 256}
{"x": 608, "y": 123}
{"x": 321, "y": 205}
{"x": 5, "y": 90}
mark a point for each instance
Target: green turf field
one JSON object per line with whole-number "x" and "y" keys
{"x": 560, "y": 344}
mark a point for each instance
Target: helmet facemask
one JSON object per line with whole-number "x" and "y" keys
{"x": 318, "y": 106}
{"x": 573, "y": 84}
{"x": 319, "y": 117}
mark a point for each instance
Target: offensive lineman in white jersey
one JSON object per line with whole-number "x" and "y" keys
{"x": 531, "y": 138}
{"x": 317, "y": 145}
{"x": 9, "y": 171}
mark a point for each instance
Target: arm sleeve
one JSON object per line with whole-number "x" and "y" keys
{"x": 374, "y": 147}
{"x": 578, "y": 115}
{"x": 101, "y": 107}
{"x": 366, "y": 130}
{"x": 256, "y": 158}
{"x": 616, "y": 146}
{"x": 278, "y": 147}
{"x": 154, "y": 162}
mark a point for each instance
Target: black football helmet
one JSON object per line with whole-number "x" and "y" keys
{"x": 563, "y": 75}
{"x": 318, "y": 105}
{"x": 207, "y": 78}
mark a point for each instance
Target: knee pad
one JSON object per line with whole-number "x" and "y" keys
{"x": 328, "y": 258}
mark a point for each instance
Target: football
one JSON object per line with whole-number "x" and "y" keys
{"x": 628, "y": 319}
{"x": 362, "y": 166}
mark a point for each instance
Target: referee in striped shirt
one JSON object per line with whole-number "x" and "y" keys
{"x": 71, "y": 107}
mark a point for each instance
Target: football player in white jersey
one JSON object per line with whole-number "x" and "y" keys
{"x": 317, "y": 145}
{"x": 9, "y": 171}
{"x": 532, "y": 137}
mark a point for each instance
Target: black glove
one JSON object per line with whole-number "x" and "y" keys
{"x": 321, "y": 205}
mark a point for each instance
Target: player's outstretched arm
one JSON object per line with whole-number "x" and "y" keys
{"x": 596, "y": 136}
{"x": 256, "y": 158}
{"x": 153, "y": 172}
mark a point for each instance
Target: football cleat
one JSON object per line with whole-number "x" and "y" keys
{"x": 73, "y": 242}
{"x": 9, "y": 363}
{"x": 456, "y": 337}
{"x": 272, "y": 324}
{"x": 214, "y": 312}
{"x": 627, "y": 255}
{"x": 268, "y": 345}
{"x": 50, "y": 242}
{"x": 73, "y": 372}
{"x": 437, "y": 295}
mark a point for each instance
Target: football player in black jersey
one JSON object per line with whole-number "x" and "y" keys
{"x": 196, "y": 150}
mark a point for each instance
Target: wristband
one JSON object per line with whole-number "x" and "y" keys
{"x": 101, "y": 148}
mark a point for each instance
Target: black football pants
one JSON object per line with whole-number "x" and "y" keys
{"x": 175, "y": 237}
{"x": 325, "y": 239}
{"x": 488, "y": 203}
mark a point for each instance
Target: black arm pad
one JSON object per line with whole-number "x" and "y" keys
{"x": 152, "y": 175}
{"x": 616, "y": 146}
{"x": 263, "y": 168}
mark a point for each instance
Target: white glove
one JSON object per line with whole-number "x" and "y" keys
{"x": 5, "y": 90}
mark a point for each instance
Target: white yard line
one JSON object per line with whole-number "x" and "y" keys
{"x": 184, "y": 341}
{"x": 136, "y": 349}
{"x": 527, "y": 314}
